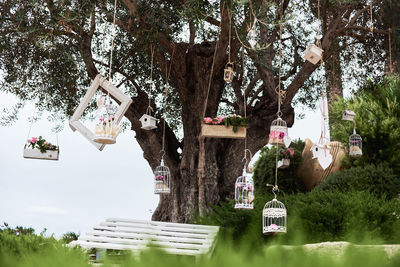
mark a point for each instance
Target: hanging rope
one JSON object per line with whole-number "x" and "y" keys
{"x": 371, "y": 26}
{"x": 167, "y": 74}
{"x": 229, "y": 34}
{"x": 149, "y": 108}
{"x": 112, "y": 40}
{"x": 102, "y": 47}
{"x": 213, "y": 62}
{"x": 390, "y": 52}
{"x": 323, "y": 120}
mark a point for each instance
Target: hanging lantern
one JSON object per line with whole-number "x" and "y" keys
{"x": 148, "y": 122}
{"x": 278, "y": 132}
{"x": 228, "y": 73}
{"x": 313, "y": 53}
{"x": 274, "y": 217}
{"x": 355, "y": 144}
{"x": 244, "y": 191}
{"x": 107, "y": 129}
{"x": 161, "y": 179}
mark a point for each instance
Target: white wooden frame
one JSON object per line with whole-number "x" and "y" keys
{"x": 98, "y": 82}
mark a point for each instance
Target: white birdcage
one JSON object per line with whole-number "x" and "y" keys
{"x": 107, "y": 129}
{"x": 278, "y": 132}
{"x": 274, "y": 217}
{"x": 355, "y": 144}
{"x": 244, "y": 191}
{"x": 161, "y": 179}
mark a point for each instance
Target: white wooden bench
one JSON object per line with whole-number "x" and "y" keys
{"x": 137, "y": 235}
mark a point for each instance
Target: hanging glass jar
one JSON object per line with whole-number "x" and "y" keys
{"x": 162, "y": 179}
{"x": 244, "y": 191}
{"x": 278, "y": 133}
{"x": 355, "y": 144}
{"x": 274, "y": 217}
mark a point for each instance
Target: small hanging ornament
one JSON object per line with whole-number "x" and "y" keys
{"x": 228, "y": 72}
{"x": 355, "y": 144}
{"x": 348, "y": 115}
{"x": 283, "y": 163}
{"x": 313, "y": 53}
{"x": 244, "y": 190}
{"x": 162, "y": 178}
{"x": 274, "y": 216}
{"x": 148, "y": 121}
{"x": 279, "y": 133}
{"x": 107, "y": 128}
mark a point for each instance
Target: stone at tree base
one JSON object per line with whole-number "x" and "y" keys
{"x": 310, "y": 172}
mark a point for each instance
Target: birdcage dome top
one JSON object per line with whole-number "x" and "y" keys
{"x": 274, "y": 204}
{"x": 279, "y": 122}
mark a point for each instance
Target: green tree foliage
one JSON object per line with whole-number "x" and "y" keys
{"x": 288, "y": 180}
{"x": 377, "y": 121}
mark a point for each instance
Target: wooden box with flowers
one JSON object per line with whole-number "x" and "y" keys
{"x": 232, "y": 126}
{"x": 39, "y": 148}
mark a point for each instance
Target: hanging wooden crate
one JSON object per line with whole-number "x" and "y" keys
{"x": 35, "y": 153}
{"x": 313, "y": 53}
{"x": 98, "y": 83}
{"x": 221, "y": 131}
{"x": 228, "y": 73}
{"x": 348, "y": 115}
{"x": 283, "y": 163}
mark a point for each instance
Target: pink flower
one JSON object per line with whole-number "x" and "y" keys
{"x": 33, "y": 140}
{"x": 215, "y": 121}
{"x": 102, "y": 119}
{"x": 207, "y": 120}
{"x": 291, "y": 152}
{"x": 274, "y": 134}
{"x": 273, "y": 226}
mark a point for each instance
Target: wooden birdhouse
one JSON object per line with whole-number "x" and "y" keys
{"x": 148, "y": 122}
{"x": 348, "y": 115}
{"x": 313, "y": 53}
{"x": 228, "y": 73}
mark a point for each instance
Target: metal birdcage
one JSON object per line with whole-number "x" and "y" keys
{"x": 355, "y": 144}
{"x": 278, "y": 131}
{"x": 274, "y": 217}
{"x": 162, "y": 179}
{"x": 244, "y": 191}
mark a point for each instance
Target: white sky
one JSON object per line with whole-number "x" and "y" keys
{"x": 85, "y": 186}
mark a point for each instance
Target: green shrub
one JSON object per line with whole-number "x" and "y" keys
{"x": 264, "y": 170}
{"x": 379, "y": 180}
{"x": 377, "y": 118}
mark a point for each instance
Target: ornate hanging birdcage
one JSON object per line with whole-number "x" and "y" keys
{"x": 107, "y": 128}
{"x": 162, "y": 179}
{"x": 355, "y": 144}
{"x": 244, "y": 191}
{"x": 278, "y": 132}
{"x": 274, "y": 217}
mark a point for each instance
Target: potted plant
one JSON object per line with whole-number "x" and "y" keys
{"x": 232, "y": 126}
{"x": 39, "y": 148}
{"x": 284, "y": 158}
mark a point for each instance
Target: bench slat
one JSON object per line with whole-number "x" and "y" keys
{"x": 179, "y": 225}
{"x": 125, "y": 241}
{"x": 150, "y": 237}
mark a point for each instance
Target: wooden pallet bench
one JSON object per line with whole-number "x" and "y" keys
{"x": 138, "y": 235}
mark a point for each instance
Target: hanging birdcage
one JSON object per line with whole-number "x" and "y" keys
{"x": 274, "y": 217}
{"x": 355, "y": 144}
{"x": 161, "y": 179}
{"x": 244, "y": 191}
{"x": 107, "y": 128}
{"x": 278, "y": 132}
{"x": 228, "y": 73}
